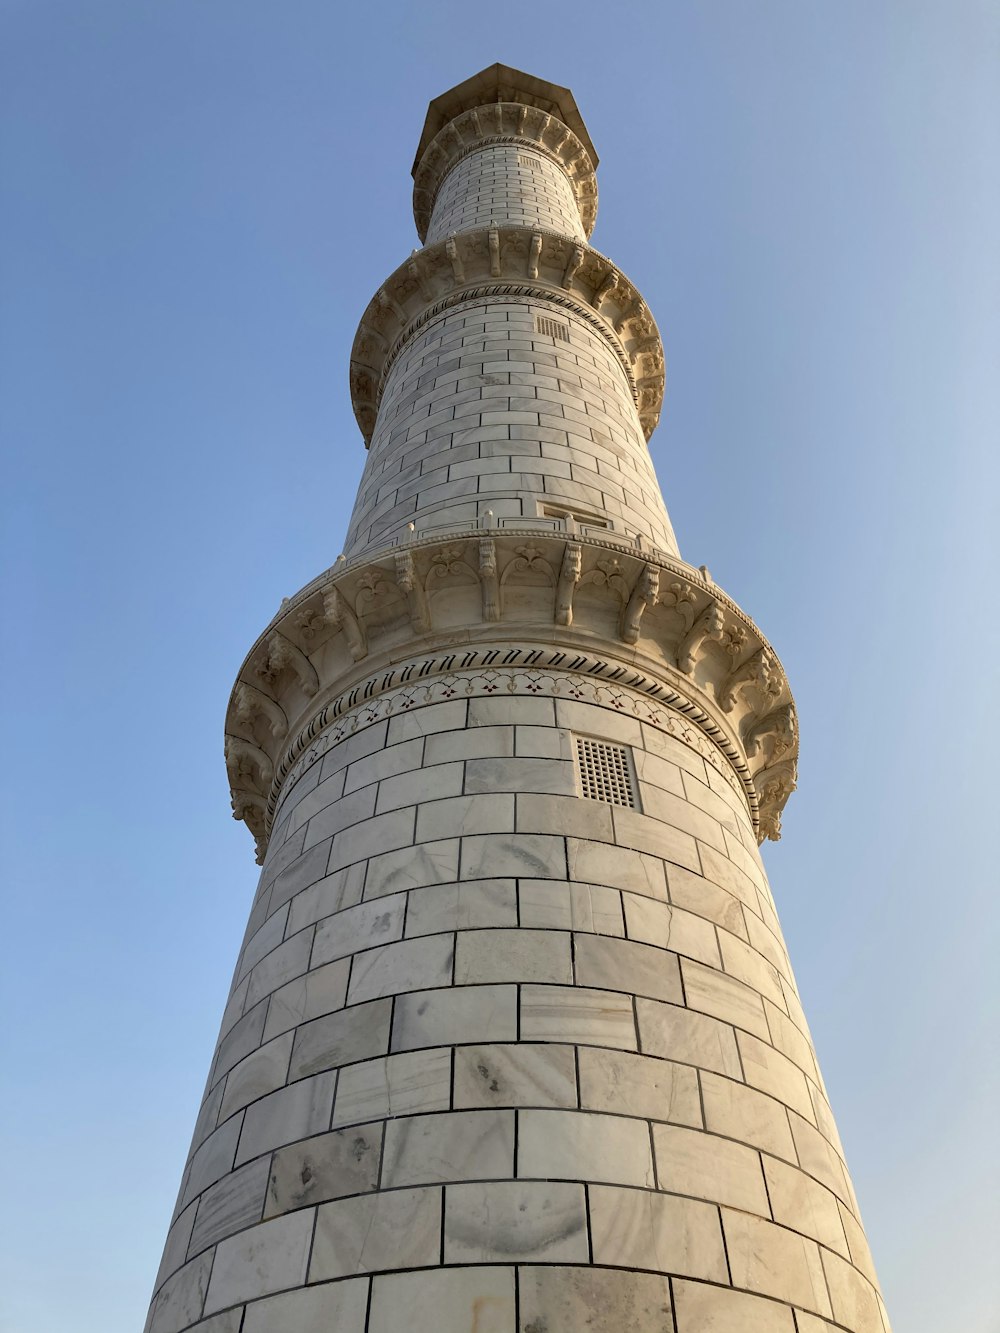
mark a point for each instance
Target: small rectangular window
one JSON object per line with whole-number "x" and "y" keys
{"x": 605, "y": 772}
{"x": 552, "y": 328}
{"x": 579, "y": 516}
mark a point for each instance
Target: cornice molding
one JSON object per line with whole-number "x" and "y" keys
{"x": 504, "y": 123}
{"x": 566, "y": 604}
{"x": 504, "y": 262}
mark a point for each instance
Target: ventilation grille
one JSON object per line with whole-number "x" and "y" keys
{"x": 552, "y": 328}
{"x": 523, "y": 160}
{"x": 605, "y": 772}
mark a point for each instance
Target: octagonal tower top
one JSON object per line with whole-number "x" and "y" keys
{"x": 501, "y": 104}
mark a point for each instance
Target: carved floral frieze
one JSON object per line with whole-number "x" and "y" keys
{"x": 592, "y": 607}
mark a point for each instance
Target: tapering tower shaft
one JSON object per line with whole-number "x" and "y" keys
{"x": 513, "y": 1043}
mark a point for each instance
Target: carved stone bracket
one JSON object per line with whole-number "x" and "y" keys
{"x": 280, "y": 653}
{"x": 569, "y": 577}
{"x": 524, "y": 261}
{"x": 758, "y": 675}
{"x": 340, "y": 616}
{"x": 643, "y": 595}
{"x": 773, "y": 736}
{"x": 250, "y": 703}
{"x": 247, "y": 763}
{"x": 411, "y": 586}
{"x": 488, "y": 579}
{"x": 710, "y": 626}
{"x": 774, "y": 786}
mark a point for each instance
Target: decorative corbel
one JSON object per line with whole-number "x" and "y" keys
{"x": 494, "y": 250}
{"x": 710, "y": 626}
{"x": 758, "y": 672}
{"x": 250, "y": 703}
{"x": 774, "y": 786}
{"x": 575, "y": 260}
{"x": 522, "y": 112}
{"x": 410, "y": 585}
{"x": 780, "y": 727}
{"x": 340, "y": 616}
{"x": 569, "y": 577}
{"x": 643, "y": 595}
{"x": 386, "y": 302}
{"x": 635, "y": 312}
{"x": 533, "y": 253}
{"x": 241, "y": 756}
{"x": 488, "y": 578}
{"x": 455, "y": 259}
{"x": 249, "y": 807}
{"x": 280, "y": 653}
{"x": 418, "y": 275}
{"x": 477, "y": 129}
{"x": 604, "y": 291}
{"x": 557, "y": 146}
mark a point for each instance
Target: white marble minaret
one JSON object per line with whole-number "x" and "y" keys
{"x": 513, "y": 1044}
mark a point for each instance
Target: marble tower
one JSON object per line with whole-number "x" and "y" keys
{"x": 513, "y": 1044}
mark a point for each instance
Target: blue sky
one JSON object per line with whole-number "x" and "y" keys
{"x": 199, "y": 197}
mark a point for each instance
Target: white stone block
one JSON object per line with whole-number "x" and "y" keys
{"x": 699, "y": 1308}
{"x": 680, "y": 1034}
{"x": 515, "y": 1220}
{"x": 579, "y": 1145}
{"x": 633, "y": 1228}
{"x": 410, "y": 965}
{"x": 397, "y": 1229}
{"x": 338, "y": 1305}
{"x": 394, "y": 1085}
{"x": 773, "y": 1261}
{"x": 457, "y": 1014}
{"x": 638, "y": 1085}
{"x": 598, "y": 1300}
{"x": 576, "y": 1015}
{"x": 513, "y": 955}
{"x": 462, "y": 1145}
{"x": 463, "y": 906}
{"x": 291, "y": 1113}
{"x": 327, "y": 1166}
{"x": 442, "y": 1300}
{"x": 261, "y": 1261}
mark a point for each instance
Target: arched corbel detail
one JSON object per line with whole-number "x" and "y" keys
{"x": 774, "y": 786}
{"x": 408, "y": 582}
{"x": 710, "y": 627}
{"x": 340, "y": 616}
{"x": 250, "y": 808}
{"x": 758, "y": 673}
{"x": 280, "y": 653}
{"x": 249, "y": 703}
{"x": 774, "y": 735}
{"x": 643, "y": 595}
{"x": 488, "y": 579}
{"x": 241, "y": 756}
{"x": 569, "y": 577}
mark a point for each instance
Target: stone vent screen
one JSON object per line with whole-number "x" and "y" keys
{"x": 605, "y": 772}
{"x": 552, "y": 328}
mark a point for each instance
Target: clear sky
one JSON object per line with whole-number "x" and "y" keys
{"x": 199, "y": 197}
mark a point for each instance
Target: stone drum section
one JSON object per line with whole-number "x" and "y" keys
{"x": 513, "y": 1044}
